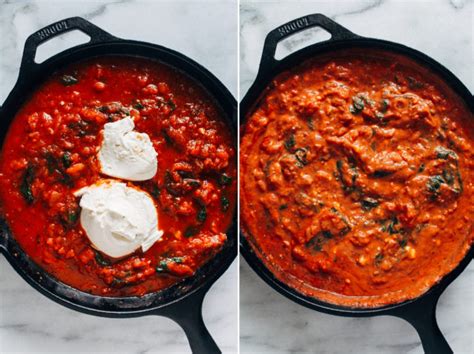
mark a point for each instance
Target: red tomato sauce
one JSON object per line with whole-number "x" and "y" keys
{"x": 357, "y": 178}
{"x": 51, "y": 150}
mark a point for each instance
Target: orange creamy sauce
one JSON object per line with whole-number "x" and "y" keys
{"x": 357, "y": 179}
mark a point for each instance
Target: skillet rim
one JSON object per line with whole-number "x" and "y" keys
{"x": 247, "y": 105}
{"x": 28, "y": 81}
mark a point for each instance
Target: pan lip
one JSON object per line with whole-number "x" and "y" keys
{"x": 314, "y": 303}
{"x": 247, "y": 104}
{"x": 113, "y": 306}
{"x": 264, "y": 77}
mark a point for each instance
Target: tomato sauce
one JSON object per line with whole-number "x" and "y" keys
{"x": 51, "y": 151}
{"x": 357, "y": 178}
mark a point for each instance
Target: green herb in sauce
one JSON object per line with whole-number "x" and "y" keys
{"x": 384, "y": 104}
{"x": 138, "y": 105}
{"x": 443, "y": 153}
{"x": 163, "y": 265}
{"x": 290, "y": 142}
{"x": 301, "y": 156}
{"x": 224, "y": 203}
{"x": 369, "y": 203}
{"x": 99, "y": 258}
{"x": 378, "y": 259}
{"x": 317, "y": 242}
{"x": 67, "y": 159}
{"x": 357, "y": 104}
{"x": 26, "y": 182}
{"x": 202, "y": 214}
{"x": 225, "y": 180}
{"x": 190, "y": 231}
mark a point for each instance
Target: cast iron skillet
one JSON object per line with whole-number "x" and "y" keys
{"x": 420, "y": 312}
{"x": 183, "y": 301}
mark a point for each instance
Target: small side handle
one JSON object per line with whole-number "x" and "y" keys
{"x": 336, "y": 31}
{"x": 421, "y": 314}
{"x": 56, "y": 29}
{"x": 188, "y": 314}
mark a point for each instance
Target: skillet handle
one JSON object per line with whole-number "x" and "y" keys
{"x": 337, "y": 32}
{"x": 421, "y": 314}
{"x": 32, "y": 43}
{"x": 188, "y": 314}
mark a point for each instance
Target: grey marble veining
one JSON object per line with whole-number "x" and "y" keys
{"x": 206, "y": 32}
{"x": 270, "y": 323}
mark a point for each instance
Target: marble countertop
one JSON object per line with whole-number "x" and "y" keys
{"x": 270, "y": 323}
{"x": 31, "y": 323}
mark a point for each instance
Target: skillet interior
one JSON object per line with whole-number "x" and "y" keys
{"x": 250, "y": 251}
{"x": 36, "y": 276}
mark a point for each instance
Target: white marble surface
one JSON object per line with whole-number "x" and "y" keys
{"x": 31, "y": 323}
{"x": 268, "y": 321}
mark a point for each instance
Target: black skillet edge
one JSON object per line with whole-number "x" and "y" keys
{"x": 420, "y": 312}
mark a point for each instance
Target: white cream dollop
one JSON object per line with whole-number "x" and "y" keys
{"x": 118, "y": 219}
{"x": 125, "y": 153}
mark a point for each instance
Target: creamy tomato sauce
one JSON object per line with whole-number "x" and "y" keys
{"x": 51, "y": 151}
{"x": 357, "y": 179}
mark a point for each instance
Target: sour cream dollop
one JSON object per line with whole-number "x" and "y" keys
{"x": 118, "y": 219}
{"x": 125, "y": 153}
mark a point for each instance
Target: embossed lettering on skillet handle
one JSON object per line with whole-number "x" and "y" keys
{"x": 337, "y": 32}
{"x": 97, "y": 35}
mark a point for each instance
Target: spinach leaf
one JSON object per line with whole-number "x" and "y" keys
{"x": 67, "y": 159}
{"x": 103, "y": 109}
{"x": 171, "y": 105}
{"x": 357, "y": 104}
{"x": 170, "y": 185}
{"x": 117, "y": 282}
{"x": 384, "y": 104}
{"x": 68, "y": 80}
{"x": 448, "y": 176}
{"x": 344, "y": 219}
{"x": 163, "y": 265}
{"x": 138, "y": 105}
{"x": 155, "y": 191}
{"x": 70, "y": 218}
{"x": 381, "y": 173}
{"x": 290, "y": 142}
{"x": 378, "y": 259}
{"x": 167, "y": 137}
{"x": 202, "y": 214}
{"x": 99, "y": 258}
{"x": 25, "y": 185}
{"x": 225, "y": 203}
{"x": 443, "y": 153}
{"x": 317, "y": 242}
{"x": 403, "y": 241}
{"x": 300, "y": 155}
{"x": 224, "y": 180}
{"x": 194, "y": 183}
{"x": 190, "y": 231}
{"x": 51, "y": 162}
{"x": 310, "y": 122}
{"x": 434, "y": 184}
{"x": 369, "y": 203}
{"x": 390, "y": 226}
{"x": 414, "y": 84}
